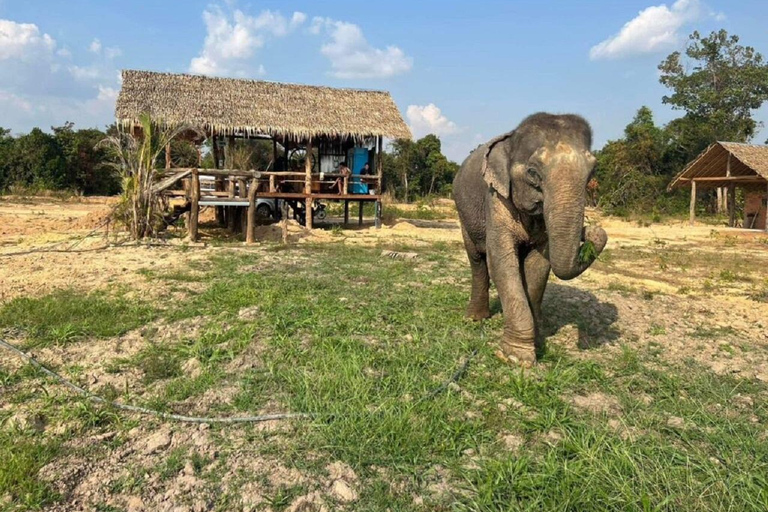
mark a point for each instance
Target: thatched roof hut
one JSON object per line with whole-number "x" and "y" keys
{"x": 723, "y": 163}
{"x": 227, "y": 106}
{"x": 729, "y": 165}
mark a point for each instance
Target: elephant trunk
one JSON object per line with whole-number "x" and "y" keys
{"x": 564, "y": 218}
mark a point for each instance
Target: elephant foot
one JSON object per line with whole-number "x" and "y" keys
{"x": 474, "y": 313}
{"x": 517, "y": 354}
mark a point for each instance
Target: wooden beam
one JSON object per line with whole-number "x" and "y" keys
{"x": 693, "y": 203}
{"x": 284, "y": 214}
{"x": 360, "y": 215}
{"x": 250, "y": 228}
{"x": 194, "y": 206}
{"x": 231, "y": 222}
{"x": 737, "y": 179}
{"x": 377, "y": 220}
{"x": 168, "y": 155}
{"x": 308, "y": 185}
{"x": 379, "y": 163}
{"x": 731, "y": 204}
{"x": 216, "y": 172}
{"x": 346, "y": 212}
{"x": 219, "y": 184}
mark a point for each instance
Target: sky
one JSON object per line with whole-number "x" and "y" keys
{"x": 466, "y": 71}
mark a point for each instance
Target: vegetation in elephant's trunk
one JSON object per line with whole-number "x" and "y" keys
{"x": 588, "y": 252}
{"x": 135, "y": 158}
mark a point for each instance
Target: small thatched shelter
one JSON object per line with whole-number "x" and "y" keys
{"x": 314, "y": 130}
{"x": 730, "y": 165}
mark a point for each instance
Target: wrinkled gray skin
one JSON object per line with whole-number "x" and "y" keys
{"x": 521, "y": 201}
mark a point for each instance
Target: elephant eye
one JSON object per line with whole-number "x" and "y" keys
{"x": 533, "y": 176}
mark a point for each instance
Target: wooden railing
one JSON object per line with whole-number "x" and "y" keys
{"x": 248, "y": 184}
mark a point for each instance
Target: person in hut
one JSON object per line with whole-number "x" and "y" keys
{"x": 366, "y": 170}
{"x": 345, "y": 173}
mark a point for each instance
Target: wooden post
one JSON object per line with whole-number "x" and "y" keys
{"x": 194, "y": 206}
{"x": 345, "y": 184}
{"x": 308, "y": 186}
{"x": 285, "y": 221}
{"x": 242, "y": 217}
{"x": 272, "y": 183}
{"x": 360, "y": 214}
{"x": 250, "y": 235}
{"x": 346, "y": 212}
{"x": 732, "y": 205}
{"x": 274, "y": 154}
{"x": 766, "y": 209}
{"x": 231, "y": 224}
{"x": 377, "y": 220}
{"x": 219, "y": 181}
{"x": 168, "y": 155}
{"x": 693, "y": 202}
{"x": 379, "y": 171}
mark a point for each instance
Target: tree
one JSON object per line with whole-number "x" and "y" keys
{"x": 84, "y": 161}
{"x": 37, "y": 161}
{"x": 418, "y": 168}
{"x": 633, "y": 171}
{"x": 719, "y": 83}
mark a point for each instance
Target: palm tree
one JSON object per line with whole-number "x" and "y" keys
{"x": 135, "y": 159}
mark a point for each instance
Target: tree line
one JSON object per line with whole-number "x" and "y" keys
{"x": 716, "y": 83}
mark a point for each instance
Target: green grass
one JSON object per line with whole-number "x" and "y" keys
{"x": 363, "y": 341}
{"x": 23, "y": 454}
{"x": 68, "y": 315}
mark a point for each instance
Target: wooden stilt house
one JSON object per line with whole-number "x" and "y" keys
{"x": 322, "y": 125}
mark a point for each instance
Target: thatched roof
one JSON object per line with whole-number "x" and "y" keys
{"x": 749, "y": 166}
{"x": 252, "y": 107}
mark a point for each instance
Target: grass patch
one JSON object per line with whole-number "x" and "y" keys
{"x": 23, "y": 455}
{"x": 68, "y": 315}
{"x": 363, "y": 341}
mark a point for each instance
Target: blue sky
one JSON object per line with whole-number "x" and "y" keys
{"x": 466, "y": 71}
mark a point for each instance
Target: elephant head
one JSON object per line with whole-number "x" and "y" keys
{"x": 543, "y": 168}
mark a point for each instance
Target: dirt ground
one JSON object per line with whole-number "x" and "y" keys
{"x": 663, "y": 263}
{"x": 688, "y": 292}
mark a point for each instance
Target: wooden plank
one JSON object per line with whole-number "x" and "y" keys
{"x": 377, "y": 219}
{"x": 170, "y": 181}
{"x": 168, "y": 155}
{"x": 360, "y": 214}
{"x": 224, "y": 173}
{"x": 736, "y": 179}
{"x": 194, "y": 207}
{"x": 346, "y": 212}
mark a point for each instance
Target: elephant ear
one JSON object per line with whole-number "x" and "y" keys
{"x": 496, "y": 164}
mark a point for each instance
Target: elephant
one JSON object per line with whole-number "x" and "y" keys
{"x": 520, "y": 199}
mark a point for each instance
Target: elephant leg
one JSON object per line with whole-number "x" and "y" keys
{"x": 536, "y": 268}
{"x": 478, "y": 308}
{"x": 518, "y": 340}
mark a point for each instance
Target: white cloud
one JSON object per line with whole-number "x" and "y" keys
{"x": 352, "y": 56}
{"x": 95, "y": 46}
{"x": 23, "y": 41}
{"x": 43, "y": 84}
{"x": 425, "y": 119}
{"x": 234, "y": 36}
{"x": 654, "y": 29}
